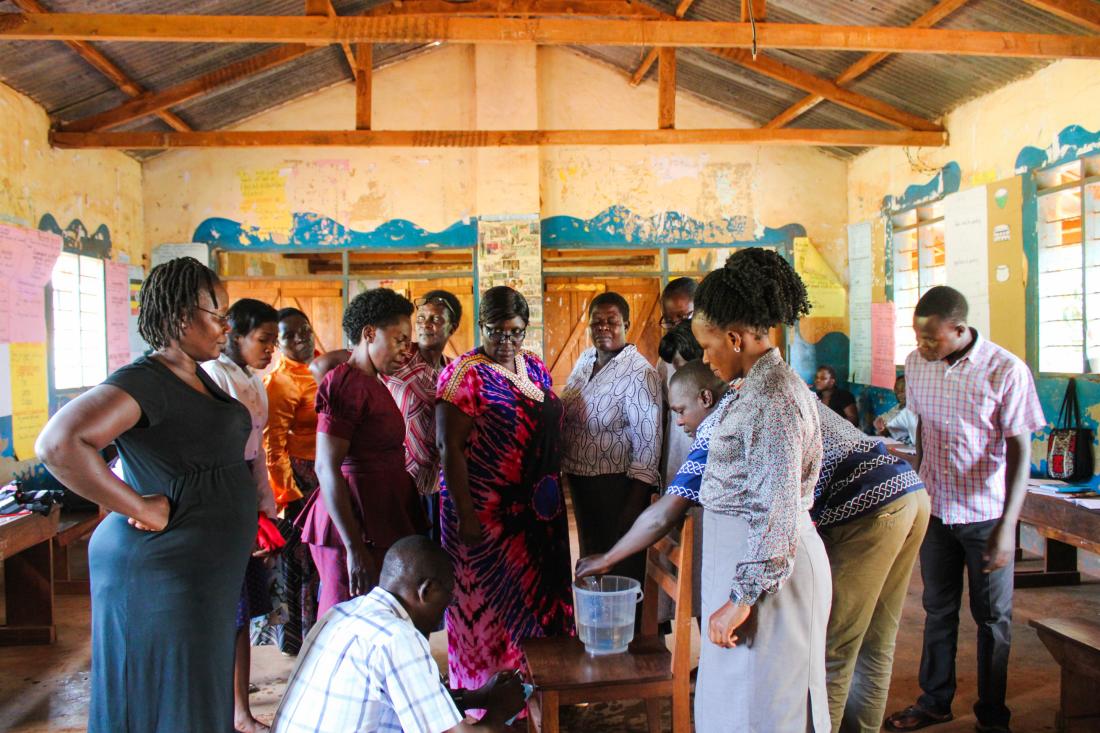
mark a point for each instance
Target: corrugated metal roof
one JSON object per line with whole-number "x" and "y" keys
{"x": 68, "y": 88}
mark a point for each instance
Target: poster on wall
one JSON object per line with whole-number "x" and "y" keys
{"x": 510, "y": 253}
{"x": 117, "y": 312}
{"x": 859, "y": 302}
{"x": 966, "y": 250}
{"x": 138, "y": 346}
{"x": 827, "y": 294}
{"x": 29, "y": 397}
{"x": 27, "y": 257}
{"x": 883, "y": 323}
{"x": 164, "y": 252}
{"x": 1007, "y": 269}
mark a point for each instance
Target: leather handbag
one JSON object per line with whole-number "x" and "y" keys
{"x": 1069, "y": 447}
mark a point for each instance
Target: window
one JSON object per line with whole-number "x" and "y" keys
{"x": 1069, "y": 267}
{"x": 79, "y": 322}
{"x": 918, "y": 266}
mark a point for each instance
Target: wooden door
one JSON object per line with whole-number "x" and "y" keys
{"x": 565, "y": 309}
{"x": 321, "y": 300}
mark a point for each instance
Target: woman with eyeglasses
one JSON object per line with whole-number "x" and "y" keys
{"x": 612, "y": 434}
{"x": 503, "y": 514}
{"x": 168, "y": 562}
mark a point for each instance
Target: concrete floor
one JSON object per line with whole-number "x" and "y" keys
{"x": 45, "y": 689}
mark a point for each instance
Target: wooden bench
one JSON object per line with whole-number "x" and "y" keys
{"x": 26, "y": 553}
{"x": 1075, "y": 645}
{"x": 73, "y": 527}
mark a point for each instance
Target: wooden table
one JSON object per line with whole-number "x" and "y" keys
{"x": 1075, "y": 645}
{"x": 1066, "y": 528}
{"x": 26, "y": 552}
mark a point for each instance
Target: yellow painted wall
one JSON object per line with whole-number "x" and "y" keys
{"x": 985, "y": 135}
{"x": 95, "y": 186}
{"x": 459, "y": 87}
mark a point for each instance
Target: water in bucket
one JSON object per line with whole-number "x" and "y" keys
{"x": 605, "y": 608}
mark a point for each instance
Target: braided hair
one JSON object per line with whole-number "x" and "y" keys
{"x": 169, "y": 298}
{"x": 756, "y": 289}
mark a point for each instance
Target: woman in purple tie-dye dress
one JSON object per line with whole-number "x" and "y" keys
{"x": 503, "y": 517}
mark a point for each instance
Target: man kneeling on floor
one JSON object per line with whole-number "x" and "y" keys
{"x": 366, "y": 665}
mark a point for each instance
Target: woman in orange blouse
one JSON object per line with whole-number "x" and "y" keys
{"x": 290, "y": 441}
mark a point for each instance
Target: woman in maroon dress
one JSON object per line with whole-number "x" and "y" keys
{"x": 367, "y": 499}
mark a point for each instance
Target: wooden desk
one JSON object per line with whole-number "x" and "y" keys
{"x": 1066, "y": 528}
{"x": 26, "y": 552}
{"x": 73, "y": 526}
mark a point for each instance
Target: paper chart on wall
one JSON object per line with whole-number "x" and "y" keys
{"x": 966, "y": 251}
{"x": 859, "y": 303}
{"x": 137, "y": 343}
{"x": 164, "y": 252}
{"x": 30, "y": 407}
{"x": 27, "y": 258}
{"x": 117, "y": 286}
{"x": 883, "y": 322}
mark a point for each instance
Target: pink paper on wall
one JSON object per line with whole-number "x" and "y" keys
{"x": 882, "y": 345}
{"x": 117, "y": 278}
{"x": 27, "y": 313}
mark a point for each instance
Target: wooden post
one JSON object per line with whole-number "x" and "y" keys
{"x": 364, "y": 53}
{"x": 666, "y": 88}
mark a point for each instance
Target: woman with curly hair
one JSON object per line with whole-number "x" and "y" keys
{"x": 168, "y": 562}
{"x": 367, "y": 500}
{"x": 766, "y": 582}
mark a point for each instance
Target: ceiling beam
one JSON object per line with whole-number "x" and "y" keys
{"x": 149, "y": 103}
{"x": 935, "y": 14}
{"x": 325, "y": 8}
{"x": 651, "y": 56}
{"x": 666, "y": 89}
{"x": 490, "y": 138}
{"x": 363, "y": 81}
{"x": 545, "y": 31}
{"x": 826, "y": 89}
{"x": 520, "y": 8}
{"x": 758, "y": 8}
{"x": 1083, "y": 12}
{"x": 105, "y": 66}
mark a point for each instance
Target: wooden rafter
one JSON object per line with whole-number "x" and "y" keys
{"x": 490, "y": 138}
{"x": 105, "y": 66}
{"x": 651, "y": 56}
{"x": 149, "y": 103}
{"x": 363, "y": 80}
{"x": 326, "y": 9}
{"x": 935, "y": 14}
{"x": 519, "y": 8}
{"x": 666, "y": 89}
{"x": 861, "y": 103}
{"x": 1083, "y": 12}
{"x": 545, "y": 31}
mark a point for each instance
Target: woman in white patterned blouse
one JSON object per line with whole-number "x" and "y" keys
{"x": 612, "y": 432}
{"x": 766, "y": 580}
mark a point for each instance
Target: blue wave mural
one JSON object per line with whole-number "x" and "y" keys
{"x": 316, "y": 232}
{"x": 946, "y": 181}
{"x": 620, "y": 226}
{"x": 1073, "y": 142}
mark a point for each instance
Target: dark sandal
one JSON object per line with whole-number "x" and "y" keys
{"x": 919, "y": 717}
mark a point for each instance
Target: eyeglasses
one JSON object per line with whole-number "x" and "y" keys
{"x": 221, "y": 319}
{"x": 435, "y": 300}
{"x": 670, "y": 323}
{"x": 497, "y": 335}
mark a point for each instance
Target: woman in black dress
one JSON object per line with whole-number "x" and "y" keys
{"x": 167, "y": 564}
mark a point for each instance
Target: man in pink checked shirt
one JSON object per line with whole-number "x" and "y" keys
{"x": 977, "y": 408}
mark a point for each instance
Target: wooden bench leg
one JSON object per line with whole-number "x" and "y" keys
{"x": 550, "y": 709}
{"x": 28, "y": 593}
{"x": 1060, "y": 568}
{"x": 1080, "y": 703}
{"x": 681, "y": 708}
{"x": 653, "y": 714}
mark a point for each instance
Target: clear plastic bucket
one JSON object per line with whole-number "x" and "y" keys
{"x": 605, "y": 610}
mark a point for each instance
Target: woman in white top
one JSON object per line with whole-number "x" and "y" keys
{"x": 611, "y": 432}
{"x": 250, "y": 345}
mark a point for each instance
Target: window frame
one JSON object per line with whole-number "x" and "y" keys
{"x": 60, "y": 395}
{"x": 935, "y": 217}
{"x": 1087, "y": 162}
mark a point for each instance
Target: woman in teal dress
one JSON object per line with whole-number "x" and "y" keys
{"x": 168, "y": 562}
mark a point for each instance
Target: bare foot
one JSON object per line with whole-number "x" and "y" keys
{"x": 248, "y": 724}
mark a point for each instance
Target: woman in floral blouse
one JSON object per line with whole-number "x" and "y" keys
{"x": 766, "y": 582}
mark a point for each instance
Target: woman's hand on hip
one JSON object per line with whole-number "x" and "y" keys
{"x": 361, "y": 571}
{"x": 723, "y": 624}
{"x": 155, "y": 511}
